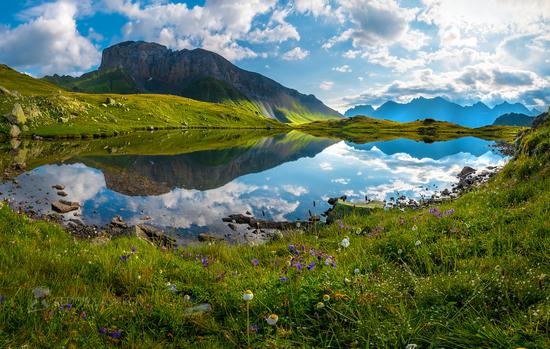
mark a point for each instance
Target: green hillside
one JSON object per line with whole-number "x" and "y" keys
{"x": 52, "y": 112}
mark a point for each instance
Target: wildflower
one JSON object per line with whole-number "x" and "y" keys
{"x": 399, "y": 251}
{"x": 187, "y": 298}
{"x": 283, "y": 279}
{"x": 320, "y": 305}
{"x": 449, "y": 212}
{"x": 299, "y": 266}
{"x": 357, "y": 271}
{"x": 115, "y": 334}
{"x": 248, "y": 295}
{"x": 171, "y": 287}
{"x": 83, "y": 315}
{"x": 414, "y": 228}
{"x": 326, "y": 298}
{"x": 310, "y": 266}
{"x": 411, "y": 346}
{"x": 2, "y": 299}
{"x": 255, "y": 262}
{"x": 417, "y": 243}
{"x": 124, "y": 258}
{"x": 253, "y": 328}
{"x": 347, "y": 281}
{"x": 41, "y": 292}
{"x": 345, "y": 243}
{"x": 272, "y": 319}
{"x": 402, "y": 221}
{"x": 102, "y": 331}
{"x": 134, "y": 249}
{"x": 204, "y": 262}
{"x": 292, "y": 248}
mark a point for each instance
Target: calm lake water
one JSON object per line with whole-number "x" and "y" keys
{"x": 276, "y": 177}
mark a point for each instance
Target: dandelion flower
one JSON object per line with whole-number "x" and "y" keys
{"x": 272, "y": 319}
{"x": 320, "y": 305}
{"x": 248, "y": 295}
{"x": 345, "y": 243}
{"x": 326, "y": 298}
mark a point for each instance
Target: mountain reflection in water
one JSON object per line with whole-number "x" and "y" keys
{"x": 277, "y": 176}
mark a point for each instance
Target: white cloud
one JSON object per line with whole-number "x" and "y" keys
{"x": 218, "y": 26}
{"x": 342, "y": 69}
{"x": 295, "y": 54}
{"x": 314, "y": 7}
{"x": 326, "y": 85}
{"x": 296, "y": 190}
{"x": 49, "y": 40}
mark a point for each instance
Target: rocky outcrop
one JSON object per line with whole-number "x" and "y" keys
{"x": 17, "y": 115}
{"x": 153, "y": 68}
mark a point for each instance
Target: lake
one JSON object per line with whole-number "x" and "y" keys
{"x": 187, "y": 182}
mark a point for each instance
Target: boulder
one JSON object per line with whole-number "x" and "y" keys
{"x": 17, "y": 115}
{"x": 14, "y": 131}
{"x": 58, "y": 187}
{"x": 204, "y": 237}
{"x": 61, "y": 193}
{"x": 467, "y": 170}
{"x": 63, "y": 206}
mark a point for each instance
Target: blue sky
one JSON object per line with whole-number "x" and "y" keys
{"x": 346, "y": 52}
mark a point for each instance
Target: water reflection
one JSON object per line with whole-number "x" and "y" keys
{"x": 277, "y": 177}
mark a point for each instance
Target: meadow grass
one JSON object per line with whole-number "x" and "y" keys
{"x": 478, "y": 277}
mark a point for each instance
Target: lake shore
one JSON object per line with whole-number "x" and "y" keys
{"x": 474, "y": 276}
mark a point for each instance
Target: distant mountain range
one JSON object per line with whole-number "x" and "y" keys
{"x": 142, "y": 67}
{"x": 514, "y": 119}
{"x": 438, "y": 108}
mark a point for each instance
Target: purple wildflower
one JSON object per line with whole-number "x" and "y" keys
{"x": 255, "y": 262}
{"x": 333, "y": 265}
{"x": 204, "y": 262}
{"x": 283, "y": 279}
{"x": 292, "y": 248}
{"x": 299, "y": 266}
{"x": 124, "y": 258}
{"x": 310, "y": 266}
{"x": 134, "y": 249}
{"x": 102, "y": 331}
{"x": 449, "y": 212}
{"x": 115, "y": 334}
{"x": 253, "y": 328}
{"x": 2, "y": 299}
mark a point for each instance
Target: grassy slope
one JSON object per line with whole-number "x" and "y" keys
{"x": 61, "y": 113}
{"x": 363, "y": 129}
{"x": 479, "y": 277}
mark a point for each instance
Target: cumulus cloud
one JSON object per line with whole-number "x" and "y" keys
{"x": 49, "y": 40}
{"x": 296, "y": 54}
{"x": 314, "y": 7}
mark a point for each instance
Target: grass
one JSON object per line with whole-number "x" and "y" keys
{"x": 56, "y": 113}
{"x": 478, "y": 277}
{"x": 362, "y": 129}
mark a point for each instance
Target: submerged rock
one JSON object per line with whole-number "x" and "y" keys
{"x": 63, "y": 206}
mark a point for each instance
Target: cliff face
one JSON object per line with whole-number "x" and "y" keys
{"x": 156, "y": 69}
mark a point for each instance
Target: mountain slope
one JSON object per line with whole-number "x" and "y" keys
{"x": 514, "y": 119}
{"x": 438, "y": 108}
{"x": 52, "y": 112}
{"x": 201, "y": 74}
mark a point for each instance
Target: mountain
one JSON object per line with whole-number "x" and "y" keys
{"x": 438, "y": 108}
{"x": 514, "y": 119}
{"x": 360, "y": 110}
{"x": 142, "y": 67}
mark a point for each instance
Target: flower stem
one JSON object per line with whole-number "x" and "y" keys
{"x": 248, "y": 322}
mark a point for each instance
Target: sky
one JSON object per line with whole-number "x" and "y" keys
{"x": 346, "y": 52}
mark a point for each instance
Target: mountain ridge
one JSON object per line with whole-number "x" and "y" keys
{"x": 439, "y": 108}
{"x": 153, "y": 68}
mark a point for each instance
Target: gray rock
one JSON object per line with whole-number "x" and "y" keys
{"x": 204, "y": 237}
{"x": 17, "y": 115}
{"x": 58, "y": 187}
{"x": 64, "y": 206}
{"x": 14, "y": 131}
{"x": 467, "y": 170}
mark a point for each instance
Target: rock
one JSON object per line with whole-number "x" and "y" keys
{"x": 446, "y": 192}
{"x": 58, "y": 187}
{"x": 5, "y": 91}
{"x": 17, "y": 115}
{"x": 117, "y": 221}
{"x": 232, "y": 226}
{"x": 14, "y": 131}
{"x": 63, "y": 206}
{"x": 152, "y": 234}
{"x": 204, "y": 237}
{"x": 332, "y": 201}
{"x": 61, "y": 193}
{"x": 110, "y": 101}
{"x": 37, "y": 138}
{"x": 467, "y": 170}
{"x": 198, "y": 309}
